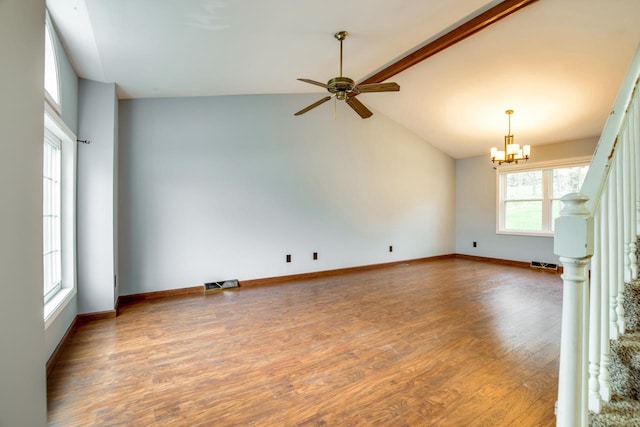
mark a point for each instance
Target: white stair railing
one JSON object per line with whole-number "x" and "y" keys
{"x": 598, "y": 230}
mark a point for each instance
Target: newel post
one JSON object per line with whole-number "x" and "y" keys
{"x": 573, "y": 243}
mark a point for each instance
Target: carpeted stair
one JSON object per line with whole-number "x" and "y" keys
{"x": 624, "y": 408}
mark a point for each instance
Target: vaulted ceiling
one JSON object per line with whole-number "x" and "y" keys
{"x": 557, "y": 63}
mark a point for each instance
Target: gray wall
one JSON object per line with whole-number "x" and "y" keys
{"x": 69, "y": 114}
{"x": 216, "y": 188}
{"x": 476, "y": 206}
{"x": 97, "y": 170}
{"x": 22, "y": 360}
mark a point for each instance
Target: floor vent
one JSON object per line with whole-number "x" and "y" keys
{"x": 544, "y": 265}
{"x": 216, "y": 286}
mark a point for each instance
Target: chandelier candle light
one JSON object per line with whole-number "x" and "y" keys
{"x": 512, "y": 152}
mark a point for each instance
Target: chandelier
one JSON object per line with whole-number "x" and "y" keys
{"x": 512, "y": 152}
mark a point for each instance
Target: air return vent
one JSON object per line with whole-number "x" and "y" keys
{"x": 216, "y": 286}
{"x": 544, "y": 265}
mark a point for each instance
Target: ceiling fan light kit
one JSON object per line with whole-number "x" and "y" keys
{"x": 512, "y": 153}
{"x": 345, "y": 89}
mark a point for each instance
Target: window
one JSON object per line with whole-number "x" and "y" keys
{"x": 529, "y": 198}
{"x": 51, "y": 224}
{"x": 58, "y": 214}
{"x": 51, "y": 81}
{"x": 58, "y": 194}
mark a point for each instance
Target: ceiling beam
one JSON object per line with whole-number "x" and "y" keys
{"x": 459, "y": 33}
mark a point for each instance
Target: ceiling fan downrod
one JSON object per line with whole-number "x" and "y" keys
{"x": 341, "y": 35}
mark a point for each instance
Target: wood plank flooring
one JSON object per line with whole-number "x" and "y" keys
{"x": 450, "y": 342}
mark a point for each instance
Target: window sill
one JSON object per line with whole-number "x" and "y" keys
{"x": 55, "y": 305}
{"x": 525, "y": 233}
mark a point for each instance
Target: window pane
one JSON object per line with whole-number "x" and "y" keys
{"x": 50, "y": 67}
{"x": 568, "y": 180}
{"x": 524, "y": 216}
{"x": 51, "y": 221}
{"x": 523, "y": 185}
{"x": 556, "y": 205}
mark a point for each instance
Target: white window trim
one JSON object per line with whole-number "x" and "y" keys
{"x": 52, "y": 103}
{"x": 57, "y": 303}
{"x": 552, "y": 164}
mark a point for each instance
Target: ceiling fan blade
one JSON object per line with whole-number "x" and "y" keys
{"x": 359, "y": 107}
{"x": 378, "y": 87}
{"x": 314, "y": 105}
{"x": 313, "y": 82}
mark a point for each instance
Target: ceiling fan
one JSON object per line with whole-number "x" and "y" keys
{"x": 345, "y": 89}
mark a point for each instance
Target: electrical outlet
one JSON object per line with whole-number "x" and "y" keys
{"x": 390, "y": 248}
{"x": 475, "y": 244}
{"x": 288, "y": 258}
{"x": 315, "y": 255}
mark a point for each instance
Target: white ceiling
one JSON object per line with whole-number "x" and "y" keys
{"x": 557, "y": 63}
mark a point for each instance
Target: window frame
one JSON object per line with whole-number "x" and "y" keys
{"x": 547, "y": 223}
{"x": 68, "y": 169}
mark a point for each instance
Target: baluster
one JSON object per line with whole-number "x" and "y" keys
{"x": 633, "y": 141}
{"x": 603, "y": 231}
{"x": 620, "y": 244}
{"x": 574, "y": 244}
{"x": 584, "y": 382}
{"x": 635, "y": 119}
{"x": 595, "y": 402}
{"x": 612, "y": 238}
{"x": 625, "y": 210}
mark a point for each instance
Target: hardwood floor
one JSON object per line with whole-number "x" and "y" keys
{"x": 449, "y": 342}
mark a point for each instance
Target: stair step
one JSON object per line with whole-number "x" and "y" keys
{"x": 625, "y": 365}
{"x": 620, "y": 412}
{"x": 632, "y": 305}
{"x": 624, "y": 408}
